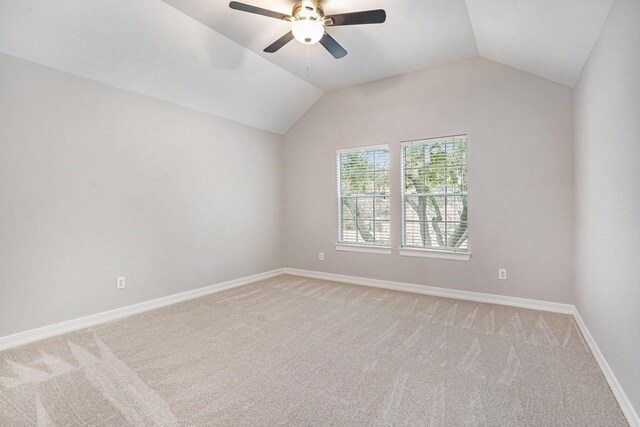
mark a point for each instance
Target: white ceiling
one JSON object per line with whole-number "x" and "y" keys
{"x": 203, "y": 55}
{"x": 417, "y": 34}
{"x": 148, "y": 47}
{"x": 549, "y": 38}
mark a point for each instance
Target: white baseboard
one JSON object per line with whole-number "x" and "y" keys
{"x": 72, "y": 325}
{"x": 83, "y": 322}
{"x": 439, "y": 292}
{"x": 618, "y": 392}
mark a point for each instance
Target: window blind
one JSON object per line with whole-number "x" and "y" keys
{"x": 363, "y": 196}
{"x": 434, "y": 194}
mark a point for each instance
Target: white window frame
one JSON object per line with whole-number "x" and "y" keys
{"x": 351, "y": 246}
{"x": 433, "y": 251}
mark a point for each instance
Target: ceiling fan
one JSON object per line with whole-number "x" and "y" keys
{"x": 308, "y": 24}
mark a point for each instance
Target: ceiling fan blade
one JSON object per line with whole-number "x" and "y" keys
{"x": 377, "y": 16}
{"x": 276, "y": 45}
{"x": 258, "y": 10}
{"x": 332, "y": 46}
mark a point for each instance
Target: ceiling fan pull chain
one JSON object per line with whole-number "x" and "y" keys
{"x": 308, "y": 75}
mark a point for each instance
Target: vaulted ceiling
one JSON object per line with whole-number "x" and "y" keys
{"x": 203, "y": 55}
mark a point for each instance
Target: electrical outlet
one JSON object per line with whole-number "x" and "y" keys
{"x": 502, "y": 273}
{"x": 321, "y": 256}
{"x": 120, "y": 282}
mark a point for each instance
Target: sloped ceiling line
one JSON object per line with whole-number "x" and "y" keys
{"x": 203, "y": 55}
{"x": 549, "y": 38}
{"x": 148, "y": 47}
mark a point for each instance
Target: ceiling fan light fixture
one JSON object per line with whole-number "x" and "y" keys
{"x": 308, "y": 21}
{"x": 307, "y": 31}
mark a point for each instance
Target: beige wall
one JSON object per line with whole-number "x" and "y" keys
{"x": 520, "y": 176}
{"x": 97, "y": 182}
{"x": 607, "y": 145}
{"x": 103, "y": 182}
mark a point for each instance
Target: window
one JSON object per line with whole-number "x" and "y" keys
{"x": 363, "y": 196}
{"x": 434, "y": 194}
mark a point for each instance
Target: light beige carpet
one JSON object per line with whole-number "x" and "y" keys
{"x": 297, "y": 351}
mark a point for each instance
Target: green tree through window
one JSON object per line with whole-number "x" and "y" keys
{"x": 363, "y": 196}
{"x": 435, "y": 207}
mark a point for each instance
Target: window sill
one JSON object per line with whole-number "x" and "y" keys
{"x": 383, "y": 250}
{"x": 434, "y": 253}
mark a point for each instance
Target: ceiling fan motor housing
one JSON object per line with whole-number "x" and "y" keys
{"x": 305, "y": 8}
